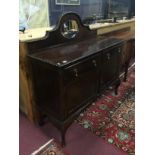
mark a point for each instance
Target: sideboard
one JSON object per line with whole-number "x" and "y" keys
{"x": 71, "y": 69}
{"x": 68, "y": 78}
{"x": 66, "y": 72}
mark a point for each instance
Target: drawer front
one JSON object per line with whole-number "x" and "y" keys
{"x": 80, "y": 69}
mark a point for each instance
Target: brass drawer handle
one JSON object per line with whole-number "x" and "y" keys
{"x": 94, "y": 62}
{"x": 119, "y": 50}
{"x": 76, "y": 72}
{"x": 108, "y": 56}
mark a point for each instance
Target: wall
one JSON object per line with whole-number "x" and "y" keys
{"x": 33, "y": 14}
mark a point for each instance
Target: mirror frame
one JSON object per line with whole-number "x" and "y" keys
{"x": 71, "y": 28}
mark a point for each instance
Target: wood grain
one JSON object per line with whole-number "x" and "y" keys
{"x": 27, "y": 102}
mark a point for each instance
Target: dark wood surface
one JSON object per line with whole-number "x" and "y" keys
{"x": 55, "y": 37}
{"x": 63, "y": 91}
{"x": 66, "y": 54}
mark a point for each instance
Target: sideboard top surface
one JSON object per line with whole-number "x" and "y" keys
{"x": 65, "y": 54}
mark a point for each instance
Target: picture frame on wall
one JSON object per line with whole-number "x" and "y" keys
{"x": 67, "y": 2}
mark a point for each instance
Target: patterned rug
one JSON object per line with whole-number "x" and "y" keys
{"x": 50, "y": 148}
{"x": 111, "y": 117}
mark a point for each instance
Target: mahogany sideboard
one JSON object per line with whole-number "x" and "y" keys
{"x": 68, "y": 74}
{"x": 67, "y": 78}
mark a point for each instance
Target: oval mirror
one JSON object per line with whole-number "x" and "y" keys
{"x": 70, "y": 29}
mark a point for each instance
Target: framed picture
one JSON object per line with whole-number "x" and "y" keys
{"x": 67, "y": 2}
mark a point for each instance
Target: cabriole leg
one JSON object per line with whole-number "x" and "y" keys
{"x": 126, "y": 71}
{"x": 116, "y": 86}
{"x": 63, "y": 137}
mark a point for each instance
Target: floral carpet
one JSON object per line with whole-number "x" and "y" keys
{"x": 111, "y": 117}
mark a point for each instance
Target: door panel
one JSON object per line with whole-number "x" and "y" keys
{"x": 81, "y": 88}
{"x": 110, "y": 65}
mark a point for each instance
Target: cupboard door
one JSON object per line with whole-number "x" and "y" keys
{"x": 110, "y": 65}
{"x": 83, "y": 86}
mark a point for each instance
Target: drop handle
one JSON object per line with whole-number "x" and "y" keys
{"x": 94, "y": 62}
{"x": 119, "y": 50}
{"x": 76, "y": 72}
{"x": 108, "y": 56}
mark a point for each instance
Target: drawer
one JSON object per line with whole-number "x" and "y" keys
{"x": 111, "y": 53}
{"x": 79, "y": 69}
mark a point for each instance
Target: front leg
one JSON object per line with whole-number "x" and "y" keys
{"x": 126, "y": 70}
{"x": 63, "y": 137}
{"x": 116, "y": 86}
